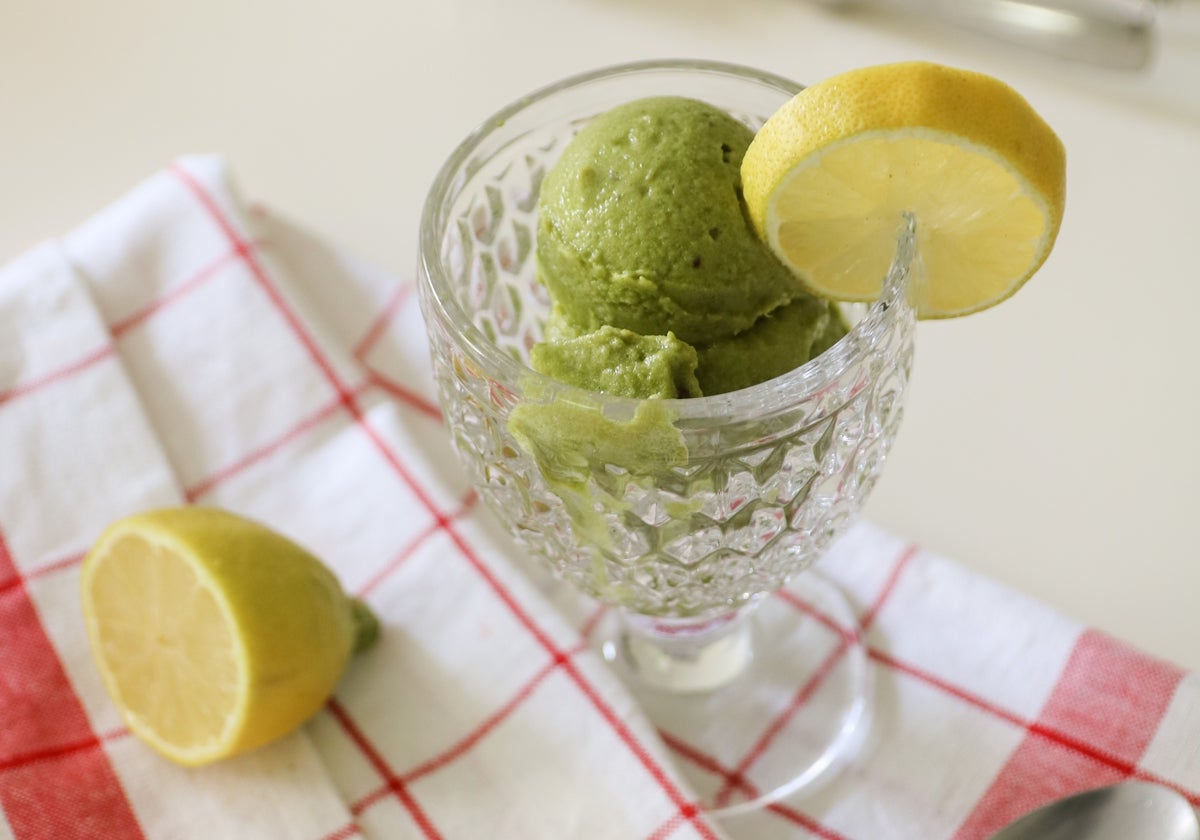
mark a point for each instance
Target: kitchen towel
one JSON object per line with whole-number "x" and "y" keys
{"x": 185, "y": 346}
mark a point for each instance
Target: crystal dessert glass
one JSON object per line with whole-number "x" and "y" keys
{"x": 689, "y": 517}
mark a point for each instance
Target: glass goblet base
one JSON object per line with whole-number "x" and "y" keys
{"x": 756, "y": 705}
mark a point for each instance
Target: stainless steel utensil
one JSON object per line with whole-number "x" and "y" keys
{"x": 1109, "y": 33}
{"x": 1121, "y": 812}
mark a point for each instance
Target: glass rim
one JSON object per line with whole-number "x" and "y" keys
{"x": 777, "y": 393}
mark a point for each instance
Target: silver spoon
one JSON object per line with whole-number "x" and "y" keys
{"x": 1110, "y": 33}
{"x": 1121, "y": 812}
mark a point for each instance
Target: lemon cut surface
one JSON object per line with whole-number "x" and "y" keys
{"x": 213, "y": 634}
{"x": 829, "y": 177}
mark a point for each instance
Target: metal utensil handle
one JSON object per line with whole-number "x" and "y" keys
{"x": 1107, "y": 34}
{"x": 1110, "y": 33}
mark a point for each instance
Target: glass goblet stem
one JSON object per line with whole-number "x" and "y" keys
{"x": 682, "y": 655}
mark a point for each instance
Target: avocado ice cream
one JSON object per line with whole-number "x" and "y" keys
{"x": 661, "y": 287}
{"x": 613, "y": 360}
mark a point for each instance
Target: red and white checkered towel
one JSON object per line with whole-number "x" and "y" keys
{"x": 183, "y": 347}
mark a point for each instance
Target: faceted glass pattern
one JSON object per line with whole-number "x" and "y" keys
{"x": 772, "y": 474}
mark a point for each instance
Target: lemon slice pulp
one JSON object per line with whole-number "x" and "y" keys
{"x": 829, "y": 176}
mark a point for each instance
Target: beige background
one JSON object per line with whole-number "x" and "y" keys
{"x": 1051, "y": 442}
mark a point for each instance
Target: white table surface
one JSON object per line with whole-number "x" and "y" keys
{"x": 1052, "y": 442}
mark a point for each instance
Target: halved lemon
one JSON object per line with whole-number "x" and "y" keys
{"x": 830, "y": 175}
{"x": 214, "y": 634}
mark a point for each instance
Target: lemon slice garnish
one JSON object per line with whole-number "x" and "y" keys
{"x": 829, "y": 176}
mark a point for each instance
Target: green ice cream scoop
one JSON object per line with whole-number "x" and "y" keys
{"x": 622, "y": 363}
{"x": 642, "y": 225}
{"x": 778, "y": 342}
